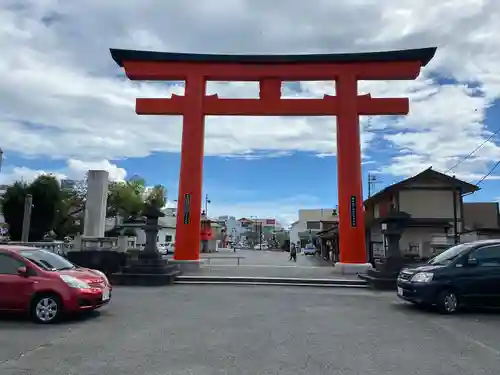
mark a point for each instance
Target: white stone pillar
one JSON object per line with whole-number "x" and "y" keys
{"x": 95, "y": 206}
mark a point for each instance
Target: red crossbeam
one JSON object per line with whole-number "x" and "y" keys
{"x": 328, "y": 106}
{"x": 176, "y": 71}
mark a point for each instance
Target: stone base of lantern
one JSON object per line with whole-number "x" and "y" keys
{"x": 385, "y": 275}
{"x": 187, "y": 265}
{"x": 147, "y": 271}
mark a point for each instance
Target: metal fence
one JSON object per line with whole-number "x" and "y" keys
{"x": 57, "y": 247}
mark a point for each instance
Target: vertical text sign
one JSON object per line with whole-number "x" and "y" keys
{"x": 354, "y": 211}
{"x": 187, "y": 207}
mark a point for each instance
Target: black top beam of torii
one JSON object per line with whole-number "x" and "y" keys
{"x": 422, "y": 55}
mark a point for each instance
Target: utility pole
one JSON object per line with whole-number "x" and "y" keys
{"x": 372, "y": 181}
{"x": 260, "y": 235}
{"x": 28, "y": 204}
{"x": 456, "y": 196}
{"x": 1, "y": 159}
{"x": 207, "y": 202}
{"x": 258, "y": 230}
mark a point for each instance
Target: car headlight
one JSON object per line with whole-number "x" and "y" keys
{"x": 102, "y": 274}
{"x": 73, "y": 282}
{"x": 422, "y": 277}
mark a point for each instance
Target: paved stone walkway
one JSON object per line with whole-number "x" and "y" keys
{"x": 260, "y": 263}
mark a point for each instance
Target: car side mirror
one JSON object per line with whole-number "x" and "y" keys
{"x": 22, "y": 271}
{"x": 471, "y": 262}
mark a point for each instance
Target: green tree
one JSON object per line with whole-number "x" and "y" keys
{"x": 13, "y": 208}
{"x": 157, "y": 196}
{"x": 46, "y": 194}
{"x": 126, "y": 198}
{"x": 70, "y": 212}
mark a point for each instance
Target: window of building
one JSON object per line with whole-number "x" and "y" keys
{"x": 329, "y": 224}
{"x": 168, "y": 238}
{"x": 313, "y": 225}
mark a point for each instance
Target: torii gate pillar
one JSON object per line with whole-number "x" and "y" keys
{"x": 271, "y": 72}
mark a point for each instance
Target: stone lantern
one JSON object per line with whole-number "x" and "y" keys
{"x": 149, "y": 268}
{"x": 392, "y": 227}
{"x": 151, "y": 228}
{"x": 385, "y": 274}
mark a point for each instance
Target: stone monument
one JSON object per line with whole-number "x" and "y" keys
{"x": 93, "y": 249}
{"x": 95, "y": 213}
{"x": 95, "y": 206}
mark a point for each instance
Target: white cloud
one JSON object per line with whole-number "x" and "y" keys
{"x": 430, "y": 137}
{"x": 60, "y": 96}
{"x": 75, "y": 169}
{"x": 25, "y": 174}
{"x": 80, "y": 168}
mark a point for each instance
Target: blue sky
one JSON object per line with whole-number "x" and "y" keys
{"x": 65, "y": 106}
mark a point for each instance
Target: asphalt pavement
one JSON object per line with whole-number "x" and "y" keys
{"x": 187, "y": 329}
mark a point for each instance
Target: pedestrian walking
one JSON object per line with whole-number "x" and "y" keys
{"x": 293, "y": 253}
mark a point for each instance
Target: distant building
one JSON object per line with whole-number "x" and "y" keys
{"x": 170, "y": 211}
{"x": 234, "y": 229}
{"x": 481, "y": 221}
{"x": 67, "y": 184}
{"x": 252, "y": 228}
{"x": 312, "y": 221}
{"x": 246, "y": 224}
{"x": 437, "y": 212}
{"x": 268, "y": 226}
{"x": 295, "y": 229}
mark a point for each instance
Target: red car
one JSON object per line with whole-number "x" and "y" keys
{"x": 46, "y": 285}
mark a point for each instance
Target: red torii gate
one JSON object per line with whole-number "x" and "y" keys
{"x": 271, "y": 71}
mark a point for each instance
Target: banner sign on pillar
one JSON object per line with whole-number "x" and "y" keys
{"x": 354, "y": 212}
{"x": 187, "y": 207}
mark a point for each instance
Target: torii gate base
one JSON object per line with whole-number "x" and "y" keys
{"x": 271, "y": 72}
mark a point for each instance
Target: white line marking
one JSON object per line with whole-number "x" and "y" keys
{"x": 464, "y": 337}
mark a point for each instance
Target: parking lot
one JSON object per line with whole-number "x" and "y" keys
{"x": 254, "y": 330}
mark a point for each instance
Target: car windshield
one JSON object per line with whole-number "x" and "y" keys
{"x": 449, "y": 255}
{"x": 47, "y": 260}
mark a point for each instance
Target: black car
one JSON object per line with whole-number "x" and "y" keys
{"x": 465, "y": 274}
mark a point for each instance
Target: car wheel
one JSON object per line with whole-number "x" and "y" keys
{"x": 447, "y": 302}
{"x": 46, "y": 309}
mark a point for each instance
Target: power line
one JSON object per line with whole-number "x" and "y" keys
{"x": 473, "y": 151}
{"x": 489, "y": 173}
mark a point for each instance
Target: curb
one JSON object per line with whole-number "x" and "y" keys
{"x": 236, "y": 280}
